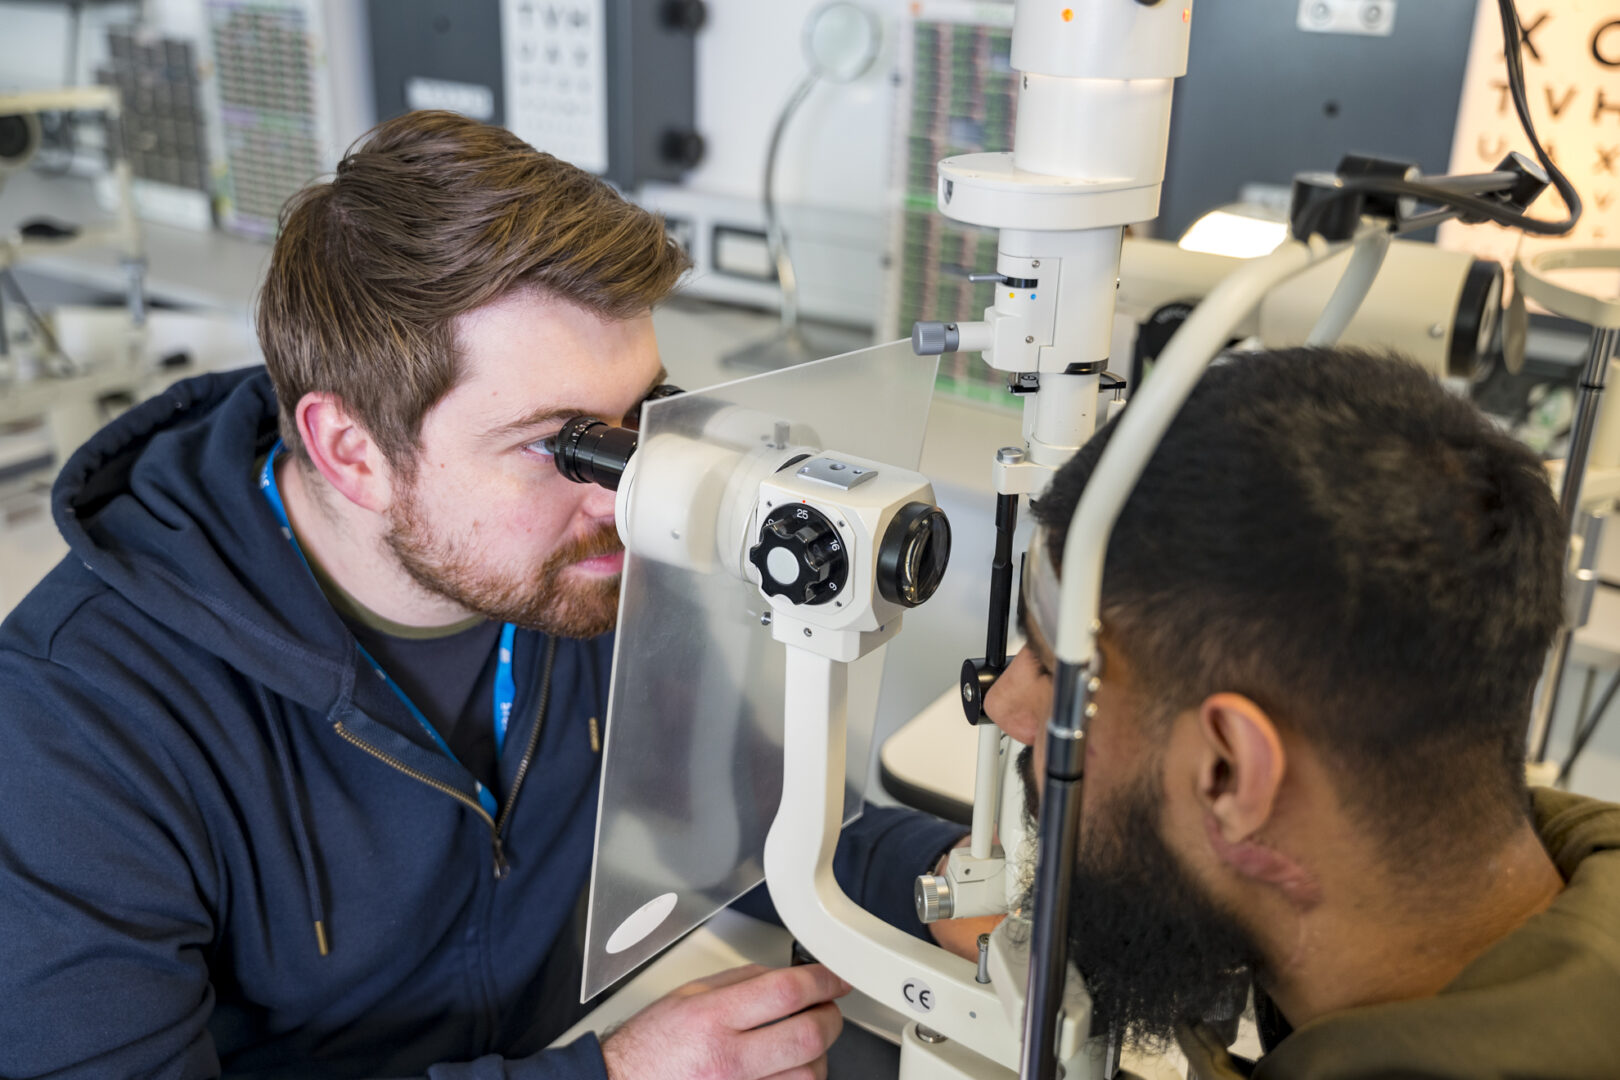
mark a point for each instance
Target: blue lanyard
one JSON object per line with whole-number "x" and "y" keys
{"x": 505, "y": 685}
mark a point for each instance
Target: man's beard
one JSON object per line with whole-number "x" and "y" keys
{"x": 545, "y": 601}
{"x": 1153, "y": 948}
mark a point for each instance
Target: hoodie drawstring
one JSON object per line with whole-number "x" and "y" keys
{"x": 301, "y": 839}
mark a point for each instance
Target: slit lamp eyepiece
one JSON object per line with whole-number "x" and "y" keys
{"x": 589, "y": 450}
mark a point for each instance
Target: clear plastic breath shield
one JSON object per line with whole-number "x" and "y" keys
{"x": 692, "y": 766}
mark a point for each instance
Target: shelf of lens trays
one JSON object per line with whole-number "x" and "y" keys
{"x": 959, "y": 96}
{"x": 266, "y": 57}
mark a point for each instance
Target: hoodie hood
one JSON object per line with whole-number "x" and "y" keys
{"x": 163, "y": 506}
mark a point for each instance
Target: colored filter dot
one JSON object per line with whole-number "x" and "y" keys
{"x": 1068, "y": 14}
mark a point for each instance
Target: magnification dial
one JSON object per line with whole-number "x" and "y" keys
{"x": 800, "y": 556}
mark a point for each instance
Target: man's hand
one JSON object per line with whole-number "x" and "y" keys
{"x": 748, "y": 1023}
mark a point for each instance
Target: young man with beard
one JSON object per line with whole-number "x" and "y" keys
{"x": 301, "y": 742}
{"x": 1325, "y": 607}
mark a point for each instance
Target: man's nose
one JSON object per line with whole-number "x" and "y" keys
{"x": 598, "y": 503}
{"x": 1012, "y": 703}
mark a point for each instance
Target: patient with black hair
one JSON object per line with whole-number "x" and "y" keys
{"x": 1325, "y": 607}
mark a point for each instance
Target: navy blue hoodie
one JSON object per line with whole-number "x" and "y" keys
{"x": 201, "y": 788}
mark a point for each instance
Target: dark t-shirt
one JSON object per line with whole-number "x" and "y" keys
{"x": 451, "y": 678}
{"x": 448, "y": 672}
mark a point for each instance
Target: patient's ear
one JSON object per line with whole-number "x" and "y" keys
{"x": 1240, "y": 765}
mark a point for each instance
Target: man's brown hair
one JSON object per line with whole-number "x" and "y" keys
{"x": 432, "y": 215}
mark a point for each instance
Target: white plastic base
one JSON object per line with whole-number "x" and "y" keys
{"x": 918, "y": 980}
{"x": 932, "y": 1059}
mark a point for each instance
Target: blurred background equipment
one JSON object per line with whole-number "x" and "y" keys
{"x": 1273, "y": 83}
{"x": 159, "y": 81}
{"x": 53, "y": 393}
{"x": 1587, "y": 480}
{"x": 959, "y": 95}
{"x": 841, "y": 42}
{"x": 19, "y": 140}
{"x": 605, "y": 84}
{"x": 831, "y": 180}
{"x": 1442, "y": 308}
{"x": 285, "y": 101}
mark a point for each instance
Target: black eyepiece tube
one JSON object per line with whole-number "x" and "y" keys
{"x": 592, "y": 451}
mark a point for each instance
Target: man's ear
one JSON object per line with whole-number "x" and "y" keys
{"x": 1241, "y": 765}
{"x": 343, "y": 452}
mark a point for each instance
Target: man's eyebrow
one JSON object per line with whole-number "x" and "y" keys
{"x": 535, "y": 419}
{"x": 550, "y": 413}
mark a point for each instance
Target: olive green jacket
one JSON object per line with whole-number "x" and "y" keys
{"x": 1542, "y": 1002}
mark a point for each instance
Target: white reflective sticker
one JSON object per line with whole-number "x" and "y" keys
{"x": 643, "y": 921}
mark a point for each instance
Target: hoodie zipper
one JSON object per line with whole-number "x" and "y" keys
{"x": 415, "y": 774}
{"x": 497, "y": 827}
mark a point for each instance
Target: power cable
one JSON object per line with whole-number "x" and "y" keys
{"x": 1474, "y": 207}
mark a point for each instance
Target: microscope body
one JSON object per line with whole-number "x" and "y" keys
{"x": 1095, "y": 88}
{"x": 839, "y": 546}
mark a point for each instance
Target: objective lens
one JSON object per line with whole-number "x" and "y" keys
{"x": 916, "y": 549}
{"x": 592, "y": 451}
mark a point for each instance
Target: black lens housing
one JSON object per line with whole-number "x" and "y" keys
{"x": 589, "y": 450}
{"x": 915, "y": 551}
{"x": 16, "y": 138}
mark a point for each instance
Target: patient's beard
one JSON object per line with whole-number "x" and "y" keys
{"x": 1154, "y": 949}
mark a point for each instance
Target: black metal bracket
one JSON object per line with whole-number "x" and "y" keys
{"x": 1090, "y": 367}
{"x": 980, "y": 673}
{"x": 1333, "y": 205}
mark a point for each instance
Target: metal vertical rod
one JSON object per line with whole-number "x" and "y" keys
{"x": 986, "y": 792}
{"x": 1600, "y": 352}
{"x": 1054, "y": 872}
{"x": 1598, "y": 355}
{"x": 787, "y": 277}
{"x": 1111, "y": 1055}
